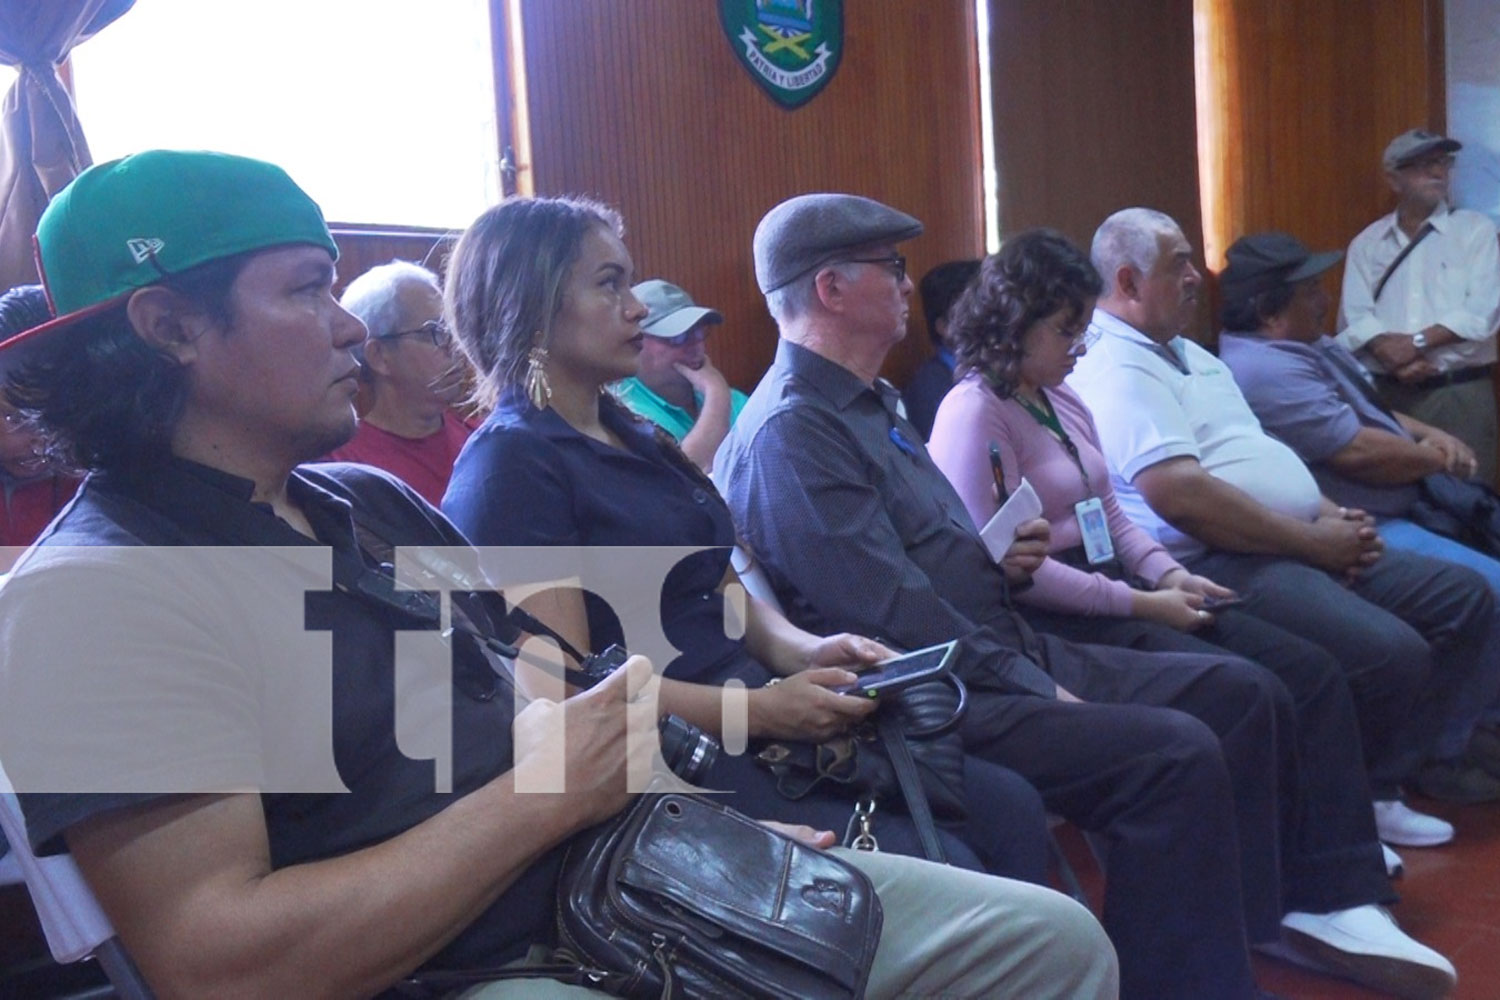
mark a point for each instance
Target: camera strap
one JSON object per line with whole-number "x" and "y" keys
{"x": 354, "y": 577}
{"x": 888, "y": 724}
{"x": 1390, "y": 268}
{"x": 529, "y": 622}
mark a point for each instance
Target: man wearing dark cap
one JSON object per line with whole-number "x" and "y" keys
{"x": 678, "y": 388}
{"x": 1312, "y": 394}
{"x": 858, "y": 529}
{"x": 1421, "y": 299}
{"x": 1192, "y": 466}
{"x": 255, "y": 830}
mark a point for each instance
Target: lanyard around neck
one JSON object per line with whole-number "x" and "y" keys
{"x": 1048, "y": 419}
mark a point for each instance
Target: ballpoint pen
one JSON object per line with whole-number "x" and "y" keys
{"x": 999, "y": 472}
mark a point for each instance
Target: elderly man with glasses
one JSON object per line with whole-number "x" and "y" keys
{"x": 678, "y": 388}
{"x": 410, "y": 379}
{"x": 1421, "y": 299}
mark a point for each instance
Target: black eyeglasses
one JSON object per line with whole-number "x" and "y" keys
{"x": 896, "y": 263}
{"x": 435, "y": 330}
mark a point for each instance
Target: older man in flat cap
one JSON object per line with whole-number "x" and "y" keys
{"x": 1421, "y": 299}
{"x": 859, "y": 530}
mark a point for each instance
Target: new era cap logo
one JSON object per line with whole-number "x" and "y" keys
{"x": 142, "y": 250}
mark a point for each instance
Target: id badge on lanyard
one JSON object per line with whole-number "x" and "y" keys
{"x": 1097, "y": 545}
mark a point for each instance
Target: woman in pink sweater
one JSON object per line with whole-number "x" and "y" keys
{"x": 1017, "y": 333}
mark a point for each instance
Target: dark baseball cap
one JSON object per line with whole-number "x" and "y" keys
{"x": 1263, "y": 261}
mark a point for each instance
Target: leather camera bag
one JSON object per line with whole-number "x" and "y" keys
{"x": 679, "y": 897}
{"x": 688, "y": 898}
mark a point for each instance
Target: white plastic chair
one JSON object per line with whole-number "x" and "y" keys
{"x": 75, "y": 927}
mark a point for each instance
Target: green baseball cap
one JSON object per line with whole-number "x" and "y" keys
{"x": 129, "y": 223}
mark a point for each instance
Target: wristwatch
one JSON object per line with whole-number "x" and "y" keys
{"x": 1419, "y": 341}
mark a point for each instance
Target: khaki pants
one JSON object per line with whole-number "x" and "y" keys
{"x": 1466, "y": 410}
{"x": 949, "y": 933}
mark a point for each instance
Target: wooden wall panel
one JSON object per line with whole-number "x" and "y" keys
{"x": 645, "y": 106}
{"x": 1094, "y": 112}
{"x": 1300, "y": 100}
{"x": 362, "y": 249}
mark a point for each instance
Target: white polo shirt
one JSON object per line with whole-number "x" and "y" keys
{"x": 1154, "y": 402}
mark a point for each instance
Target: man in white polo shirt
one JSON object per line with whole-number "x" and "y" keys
{"x": 1190, "y": 463}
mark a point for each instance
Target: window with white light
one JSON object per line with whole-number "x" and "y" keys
{"x": 383, "y": 110}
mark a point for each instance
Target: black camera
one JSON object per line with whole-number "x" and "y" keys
{"x": 687, "y": 750}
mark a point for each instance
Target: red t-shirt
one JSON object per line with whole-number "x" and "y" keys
{"x": 423, "y": 463}
{"x": 29, "y": 507}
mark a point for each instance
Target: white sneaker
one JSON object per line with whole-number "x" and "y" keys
{"x": 1365, "y": 945}
{"x": 1393, "y": 866}
{"x": 1399, "y": 824}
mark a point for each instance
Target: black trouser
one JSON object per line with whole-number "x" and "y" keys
{"x": 1005, "y": 832}
{"x": 1330, "y": 857}
{"x": 1146, "y": 762}
{"x": 1406, "y": 635}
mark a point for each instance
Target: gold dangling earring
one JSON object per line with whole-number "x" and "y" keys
{"x": 538, "y": 389}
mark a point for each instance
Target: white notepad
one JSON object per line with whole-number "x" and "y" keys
{"x": 1000, "y": 531}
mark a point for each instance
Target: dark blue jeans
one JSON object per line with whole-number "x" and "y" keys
{"x": 1409, "y": 636}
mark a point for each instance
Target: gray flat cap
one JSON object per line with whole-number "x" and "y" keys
{"x": 810, "y": 230}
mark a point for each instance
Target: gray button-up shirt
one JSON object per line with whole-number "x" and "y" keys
{"x": 859, "y": 531}
{"x": 1313, "y": 397}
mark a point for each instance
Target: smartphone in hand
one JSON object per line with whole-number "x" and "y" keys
{"x": 902, "y": 671}
{"x": 1220, "y": 603}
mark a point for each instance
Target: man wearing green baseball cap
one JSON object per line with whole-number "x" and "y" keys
{"x": 199, "y": 358}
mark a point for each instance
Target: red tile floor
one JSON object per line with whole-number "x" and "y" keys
{"x": 1450, "y": 900}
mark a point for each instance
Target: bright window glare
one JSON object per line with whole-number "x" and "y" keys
{"x": 383, "y": 110}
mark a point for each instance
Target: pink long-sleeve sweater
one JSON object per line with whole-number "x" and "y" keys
{"x": 971, "y": 417}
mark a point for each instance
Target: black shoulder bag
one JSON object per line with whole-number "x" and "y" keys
{"x": 909, "y": 754}
{"x": 680, "y": 897}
